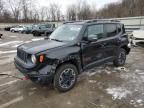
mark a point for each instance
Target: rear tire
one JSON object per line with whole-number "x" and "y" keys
{"x": 120, "y": 58}
{"x": 35, "y": 33}
{"x": 12, "y": 31}
{"x": 65, "y": 77}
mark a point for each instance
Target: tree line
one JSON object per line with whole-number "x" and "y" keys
{"x": 29, "y": 11}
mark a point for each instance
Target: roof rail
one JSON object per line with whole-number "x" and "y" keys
{"x": 68, "y": 22}
{"x": 72, "y": 21}
{"x": 101, "y": 20}
{"x": 91, "y": 21}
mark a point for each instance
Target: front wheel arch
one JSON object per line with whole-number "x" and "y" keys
{"x": 73, "y": 62}
{"x": 126, "y": 48}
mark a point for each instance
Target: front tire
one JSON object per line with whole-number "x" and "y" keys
{"x": 120, "y": 58}
{"x": 65, "y": 78}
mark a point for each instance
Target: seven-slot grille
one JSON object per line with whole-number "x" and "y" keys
{"x": 22, "y": 55}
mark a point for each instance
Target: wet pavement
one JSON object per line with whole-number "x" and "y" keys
{"x": 102, "y": 87}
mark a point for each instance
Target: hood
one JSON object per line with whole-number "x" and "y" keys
{"x": 39, "y": 46}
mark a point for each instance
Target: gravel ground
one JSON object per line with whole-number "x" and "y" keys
{"x": 102, "y": 87}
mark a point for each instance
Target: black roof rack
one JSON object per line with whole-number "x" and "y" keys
{"x": 91, "y": 21}
{"x": 102, "y": 20}
{"x": 71, "y": 22}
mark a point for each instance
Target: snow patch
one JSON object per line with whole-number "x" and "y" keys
{"x": 10, "y": 43}
{"x": 37, "y": 39}
{"x": 15, "y": 46}
{"x": 34, "y": 88}
{"x": 7, "y": 60}
{"x": 69, "y": 103}
{"x": 7, "y": 72}
{"x": 139, "y": 101}
{"x": 12, "y": 102}
{"x": 122, "y": 69}
{"x": 9, "y": 83}
{"x": 118, "y": 93}
{"x": 92, "y": 81}
{"x": 7, "y": 52}
{"x": 91, "y": 73}
{"x": 13, "y": 36}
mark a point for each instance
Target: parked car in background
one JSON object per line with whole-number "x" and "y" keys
{"x": 1, "y": 35}
{"x": 9, "y": 27}
{"x": 137, "y": 36}
{"x": 17, "y": 28}
{"x": 27, "y": 30}
{"x": 72, "y": 49}
{"x": 43, "y": 29}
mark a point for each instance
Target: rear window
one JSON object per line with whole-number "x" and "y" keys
{"x": 119, "y": 28}
{"x": 96, "y": 30}
{"x": 111, "y": 30}
{"x": 123, "y": 28}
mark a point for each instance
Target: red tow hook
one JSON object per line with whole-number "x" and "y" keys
{"x": 26, "y": 77}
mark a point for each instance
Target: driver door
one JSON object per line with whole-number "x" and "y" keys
{"x": 94, "y": 51}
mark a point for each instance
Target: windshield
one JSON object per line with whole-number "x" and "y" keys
{"x": 66, "y": 32}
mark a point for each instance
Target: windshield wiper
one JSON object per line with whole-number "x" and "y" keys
{"x": 57, "y": 40}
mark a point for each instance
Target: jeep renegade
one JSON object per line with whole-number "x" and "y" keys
{"x": 70, "y": 50}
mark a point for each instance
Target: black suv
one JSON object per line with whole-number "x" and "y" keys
{"x": 43, "y": 29}
{"x": 70, "y": 50}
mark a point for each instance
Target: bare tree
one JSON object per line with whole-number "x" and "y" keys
{"x": 54, "y": 11}
{"x": 71, "y": 12}
{"x": 43, "y": 13}
{"x": 1, "y": 7}
{"x": 58, "y": 14}
{"x": 83, "y": 11}
{"x": 15, "y": 7}
{"x": 47, "y": 13}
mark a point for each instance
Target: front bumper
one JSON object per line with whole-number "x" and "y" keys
{"x": 40, "y": 75}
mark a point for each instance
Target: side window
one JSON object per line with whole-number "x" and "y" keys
{"x": 111, "y": 30}
{"x": 123, "y": 28}
{"x": 119, "y": 28}
{"x": 96, "y": 30}
{"x": 42, "y": 27}
{"x": 48, "y": 26}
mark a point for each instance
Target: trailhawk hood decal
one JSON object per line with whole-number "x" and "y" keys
{"x": 39, "y": 46}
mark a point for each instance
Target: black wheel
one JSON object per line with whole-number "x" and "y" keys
{"x": 35, "y": 33}
{"x": 120, "y": 58}
{"x": 65, "y": 78}
{"x": 12, "y": 31}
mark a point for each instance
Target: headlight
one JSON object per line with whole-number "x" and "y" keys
{"x": 33, "y": 59}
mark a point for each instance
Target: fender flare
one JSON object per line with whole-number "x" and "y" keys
{"x": 59, "y": 62}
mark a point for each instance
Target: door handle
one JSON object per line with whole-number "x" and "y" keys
{"x": 103, "y": 44}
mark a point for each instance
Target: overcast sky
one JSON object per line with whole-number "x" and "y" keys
{"x": 65, "y": 3}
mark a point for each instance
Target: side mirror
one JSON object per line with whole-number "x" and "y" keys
{"x": 92, "y": 38}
